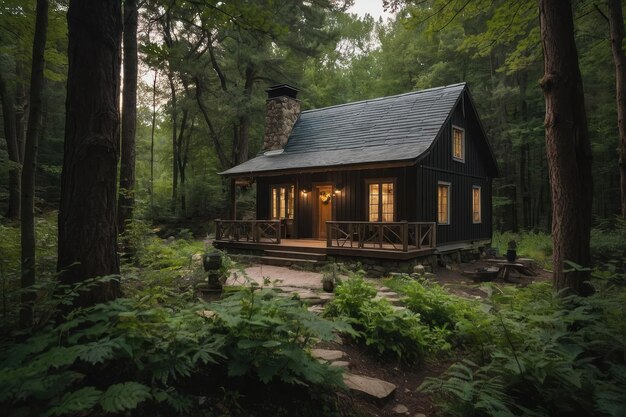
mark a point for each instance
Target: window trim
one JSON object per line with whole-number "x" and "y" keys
{"x": 381, "y": 181}
{"x": 480, "y": 204}
{"x": 448, "y": 185}
{"x": 462, "y": 130}
{"x": 287, "y": 187}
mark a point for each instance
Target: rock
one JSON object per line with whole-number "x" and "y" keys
{"x": 419, "y": 269}
{"x": 400, "y": 409}
{"x": 327, "y": 355}
{"x": 371, "y": 387}
{"x": 384, "y": 289}
{"x": 340, "y": 364}
{"x": 419, "y": 415}
{"x": 316, "y": 309}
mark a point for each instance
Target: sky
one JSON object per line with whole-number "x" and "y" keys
{"x": 373, "y": 7}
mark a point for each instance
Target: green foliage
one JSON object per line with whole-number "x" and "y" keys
{"x": 387, "y": 331}
{"x": 547, "y": 355}
{"x": 460, "y": 321}
{"x": 535, "y": 245}
{"x": 123, "y": 356}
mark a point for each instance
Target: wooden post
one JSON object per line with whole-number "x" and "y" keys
{"x": 405, "y": 236}
{"x": 218, "y": 229}
{"x": 329, "y": 238}
{"x": 279, "y": 232}
{"x": 433, "y": 240}
{"x": 233, "y": 199}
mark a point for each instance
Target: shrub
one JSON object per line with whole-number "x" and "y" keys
{"x": 121, "y": 357}
{"x": 389, "y": 332}
{"x": 549, "y": 356}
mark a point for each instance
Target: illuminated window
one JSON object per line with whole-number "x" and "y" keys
{"x": 476, "y": 211}
{"x": 381, "y": 202}
{"x": 458, "y": 144}
{"x": 282, "y": 201}
{"x": 443, "y": 203}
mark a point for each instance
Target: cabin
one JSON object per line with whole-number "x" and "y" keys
{"x": 392, "y": 178}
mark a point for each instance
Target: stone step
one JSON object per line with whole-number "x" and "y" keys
{"x": 371, "y": 388}
{"x": 280, "y": 261}
{"x": 327, "y": 355}
{"x": 296, "y": 255}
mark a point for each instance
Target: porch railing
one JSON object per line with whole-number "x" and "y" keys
{"x": 266, "y": 231}
{"x": 394, "y": 236}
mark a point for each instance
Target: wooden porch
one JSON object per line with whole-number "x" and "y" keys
{"x": 383, "y": 240}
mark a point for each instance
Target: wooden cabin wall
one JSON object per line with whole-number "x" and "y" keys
{"x": 439, "y": 165}
{"x": 350, "y": 203}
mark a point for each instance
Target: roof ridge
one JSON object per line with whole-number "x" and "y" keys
{"x": 385, "y": 98}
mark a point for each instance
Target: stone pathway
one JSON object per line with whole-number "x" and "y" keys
{"x": 307, "y": 285}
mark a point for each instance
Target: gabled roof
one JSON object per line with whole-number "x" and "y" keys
{"x": 388, "y": 129}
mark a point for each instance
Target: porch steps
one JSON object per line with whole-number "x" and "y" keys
{"x": 296, "y": 255}
{"x": 281, "y": 261}
{"x": 286, "y": 256}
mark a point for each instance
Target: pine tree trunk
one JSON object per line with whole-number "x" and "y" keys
{"x": 30, "y": 164}
{"x": 174, "y": 104}
{"x": 126, "y": 199}
{"x": 616, "y": 27}
{"x": 568, "y": 146}
{"x": 87, "y": 214}
{"x": 152, "y": 140}
{"x": 10, "y": 135}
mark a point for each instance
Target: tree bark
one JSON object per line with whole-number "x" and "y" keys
{"x": 174, "y": 104}
{"x": 87, "y": 214}
{"x": 10, "y": 135}
{"x": 154, "y": 83}
{"x": 29, "y": 169}
{"x": 616, "y": 28}
{"x": 568, "y": 146}
{"x": 126, "y": 199}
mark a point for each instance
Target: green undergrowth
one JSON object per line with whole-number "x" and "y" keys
{"x": 131, "y": 356}
{"x": 388, "y": 332}
{"x": 543, "y": 354}
{"x": 534, "y": 245}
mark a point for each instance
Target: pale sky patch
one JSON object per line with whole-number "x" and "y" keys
{"x": 371, "y": 7}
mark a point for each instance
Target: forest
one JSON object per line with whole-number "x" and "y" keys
{"x": 119, "y": 115}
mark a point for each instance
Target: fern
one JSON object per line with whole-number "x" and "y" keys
{"x": 124, "y": 396}
{"x": 73, "y": 402}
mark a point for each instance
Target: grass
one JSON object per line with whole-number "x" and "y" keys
{"x": 535, "y": 245}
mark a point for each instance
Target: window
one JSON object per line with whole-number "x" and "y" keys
{"x": 282, "y": 201}
{"x": 476, "y": 207}
{"x": 443, "y": 203}
{"x": 380, "y": 202}
{"x": 458, "y": 144}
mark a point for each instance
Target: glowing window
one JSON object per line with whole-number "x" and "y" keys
{"x": 443, "y": 203}
{"x": 458, "y": 144}
{"x": 381, "y": 202}
{"x": 476, "y": 206}
{"x": 282, "y": 204}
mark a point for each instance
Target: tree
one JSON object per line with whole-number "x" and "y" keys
{"x": 616, "y": 28}
{"x": 567, "y": 144}
{"x": 30, "y": 163}
{"x": 126, "y": 199}
{"x": 87, "y": 213}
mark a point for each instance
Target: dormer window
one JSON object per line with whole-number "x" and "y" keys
{"x": 458, "y": 144}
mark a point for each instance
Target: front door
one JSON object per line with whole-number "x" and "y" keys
{"x": 324, "y": 211}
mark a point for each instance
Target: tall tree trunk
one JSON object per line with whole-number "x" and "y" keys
{"x": 30, "y": 164}
{"x": 568, "y": 146}
{"x": 10, "y": 135}
{"x": 154, "y": 83}
{"x": 170, "y": 78}
{"x": 126, "y": 199}
{"x": 87, "y": 213}
{"x": 616, "y": 27}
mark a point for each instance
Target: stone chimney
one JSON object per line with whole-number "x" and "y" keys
{"x": 282, "y": 111}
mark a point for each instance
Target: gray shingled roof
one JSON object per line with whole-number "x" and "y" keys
{"x": 387, "y": 129}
